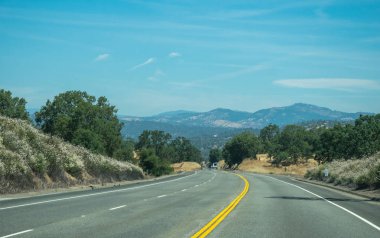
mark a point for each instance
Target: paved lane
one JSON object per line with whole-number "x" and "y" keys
{"x": 176, "y": 208}
{"x": 273, "y": 208}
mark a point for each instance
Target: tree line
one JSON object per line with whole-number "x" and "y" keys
{"x": 90, "y": 122}
{"x": 294, "y": 143}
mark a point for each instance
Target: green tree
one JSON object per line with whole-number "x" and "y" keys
{"x": 125, "y": 152}
{"x": 215, "y": 155}
{"x": 244, "y": 145}
{"x": 293, "y": 141}
{"x": 156, "y": 140}
{"x": 13, "y": 107}
{"x": 269, "y": 136}
{"x": 153, "y": 164}
{"x": 79, "y": 118}
{"x": 184, "y": 151}
{"x": 350, "y": 141}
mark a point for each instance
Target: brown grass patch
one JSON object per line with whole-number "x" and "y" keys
{"x": 265, "y": 167}
{"x": 186, "y": 166}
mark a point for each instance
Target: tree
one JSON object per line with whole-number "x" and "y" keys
{"x": 215, "y": 155}
{"x": 184, "y": 151}
{"x": 79, "y": 118}
{"x": 350, "y": 141}
{"x": 12, "y": 107}
{"x": 293, "y": 141}
{"x": 244, "y": 145}
{"x": 125, "y": 152}
{"x": 269, "y": 136}
{"x": 156, "y": 140}
{"x": 153, "y": 164}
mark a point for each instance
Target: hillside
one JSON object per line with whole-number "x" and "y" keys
{"x": 31, "y": 160}
{"x": 357, "y": 174}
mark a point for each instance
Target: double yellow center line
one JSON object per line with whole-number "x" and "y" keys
{"x": 223, "y": 214}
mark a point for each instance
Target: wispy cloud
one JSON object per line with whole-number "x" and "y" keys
{"x": 157, "y": 75}
{"x": 174, "y": 54}
{"x": 329, "y": 83}
{"x": 147, "y": 62}
{"x": 102, "y": 57}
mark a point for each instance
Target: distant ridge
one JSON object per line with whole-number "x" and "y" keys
{"x": 227, "y": 118}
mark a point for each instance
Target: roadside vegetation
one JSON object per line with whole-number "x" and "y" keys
{"x": 158, "y": 151}
{"x": 348, "y": 151}
{"x": 355, "y": 173}
{"x": 31, "y": 160}
{"x": 77, "y": 140}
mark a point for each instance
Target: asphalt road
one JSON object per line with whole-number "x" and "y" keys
{"x": 180, "y": 206}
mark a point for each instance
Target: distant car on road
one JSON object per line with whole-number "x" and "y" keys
{"x": 214, "y": 166}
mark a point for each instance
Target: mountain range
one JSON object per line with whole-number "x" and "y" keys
{"x": 226, "y": 118}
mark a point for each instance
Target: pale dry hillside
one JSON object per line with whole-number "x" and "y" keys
{"x": 357, "y": 174}
{"x": 265, "y": 167}
{"x": 186, "y": 166}
{"x": 31, "y": 160}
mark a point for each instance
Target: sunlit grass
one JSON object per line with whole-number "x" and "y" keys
{"x": 31, "y": 160}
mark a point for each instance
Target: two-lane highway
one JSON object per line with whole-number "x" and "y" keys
{"x": 275, "y": 206}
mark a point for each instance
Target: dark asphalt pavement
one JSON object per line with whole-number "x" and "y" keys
{"x": 275, "y": 206}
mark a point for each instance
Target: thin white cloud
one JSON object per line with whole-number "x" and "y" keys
{"x": 329, "y": 83}
{"x": 156, "y": 76}
{"x": 148, "y": 61}
{"x": 102, "y": 57}
{"x": 174, "y": 54}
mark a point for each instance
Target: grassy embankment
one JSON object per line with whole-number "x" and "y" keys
{"x": 185, "y": 166}
{"x": 357, "y": 174}
{"x": 31, "y": 160}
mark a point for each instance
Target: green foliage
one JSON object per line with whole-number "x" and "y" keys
{"x": 12, "y": 107}
{"x": 294, "y": 141}
{"x": 125, "y": 152}
{"x": 152, "y": 164}
{"x": 184, "y": 151}
{"x": 268, "y": 136}
{"x": 350, "y": 141}
{"x": 79, "y": 118}
{"x": 244, "y": 145}
{"x": 89, "y": 140}
{"x": 156, "y": 140}
{"x": 215, "y": 155}
{"x": 157, "y": 151}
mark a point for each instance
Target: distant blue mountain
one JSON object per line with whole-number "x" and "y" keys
{"x": 226, "y": 118}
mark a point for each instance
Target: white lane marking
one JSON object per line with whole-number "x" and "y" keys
{"x": 332, "y": 203}
{"x": 196, "y": 186}
{"x": 18, "y": 233}
{"x": 114, "y": 208}
{"x": 93, "y": 194}
{"x": 83, "y": 216}
{"x": 183, "y": 190}
{"x": 161, "y": 196}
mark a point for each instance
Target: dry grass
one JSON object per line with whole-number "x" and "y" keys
{"x": 186, "y": 166}
{"x": 31, "y": 160}
{"x": 362, "y": 173}
{"x": 265, "y": 167}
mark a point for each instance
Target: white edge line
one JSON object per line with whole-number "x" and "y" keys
{"x": 332, "y": 203}
{"x": 114, "y": 208}
{"x": 94, "y": 194}
{"x": 18, "y": 233}
{"x": 161, "y": 196}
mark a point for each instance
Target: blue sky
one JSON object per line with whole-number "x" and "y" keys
{"x": 148, "y": 57}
